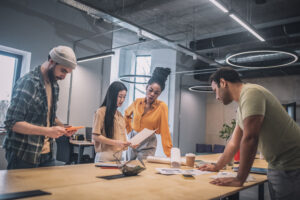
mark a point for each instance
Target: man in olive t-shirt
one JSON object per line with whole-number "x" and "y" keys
{"x": 261, "y": 122}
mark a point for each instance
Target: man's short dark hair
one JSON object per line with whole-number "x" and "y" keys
{"x": 227, "y": 73}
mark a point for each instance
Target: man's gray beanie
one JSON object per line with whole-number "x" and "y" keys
{"x": 63, "y": 55}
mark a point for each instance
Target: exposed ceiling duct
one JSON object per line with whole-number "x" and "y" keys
{"x": 96, "y": 13}
{"x": 273, "y": 33}
{"x": 204, "y": 32}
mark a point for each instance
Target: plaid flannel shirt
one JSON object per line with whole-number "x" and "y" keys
{"x": 29, "y": 104}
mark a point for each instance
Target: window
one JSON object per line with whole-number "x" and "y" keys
{"x": 291, "y": 109}
{"x": 10, "y": 69}
{"x": 142, "y": 67}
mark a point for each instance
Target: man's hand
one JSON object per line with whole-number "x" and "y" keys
{"x": 230, "y": 181}
{"x": 55, "y": 131}
{"x": 208, "y": 167}
{"x": 69, "y": 133}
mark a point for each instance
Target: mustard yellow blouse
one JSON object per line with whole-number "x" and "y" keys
{"x": 155, "y": 118}
{"x": 98, "y": 128}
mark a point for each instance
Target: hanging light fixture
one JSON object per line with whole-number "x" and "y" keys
{"x": 246, "y": 26}
{"x": 136, "y": 79}
{"x": 259, "y": 59}
{"x": 238, "y": 19}
{"x": 219, "y": 5}
{"x": 201, "y": 88}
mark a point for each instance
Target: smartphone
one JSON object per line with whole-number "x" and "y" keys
{"x": 188, "y": 176}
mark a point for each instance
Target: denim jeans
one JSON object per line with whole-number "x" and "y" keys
{"x": 13, "y": 162}
{"x": 284, "y": 184}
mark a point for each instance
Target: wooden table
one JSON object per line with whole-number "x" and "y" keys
{"x": 81, "y": 182}
{"x": 81, "y": 145}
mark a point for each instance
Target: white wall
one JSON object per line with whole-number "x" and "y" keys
{"x": 85, "y": 98}
{"x": 192, "y": 120}
{"x": 216, "y": 115}
{"x": 190, "y": 109}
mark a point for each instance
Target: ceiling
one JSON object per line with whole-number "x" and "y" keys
{"x": 199, "y": 27}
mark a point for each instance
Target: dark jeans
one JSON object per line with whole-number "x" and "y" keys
{"x": 13, "y": 162}
{"x": 284, "y": 184}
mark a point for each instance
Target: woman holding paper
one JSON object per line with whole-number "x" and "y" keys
{"x": 152, "y": 114}
{"x": 109, "y": 125}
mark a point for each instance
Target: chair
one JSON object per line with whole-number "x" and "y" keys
{"x": 64, "y": 150}
{"x": 218, "y": 148}
{"x": 88, "y": 134}
{"x": 203, "y": 148}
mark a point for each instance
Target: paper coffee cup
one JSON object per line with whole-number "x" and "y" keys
{"x": 190, "y": 159}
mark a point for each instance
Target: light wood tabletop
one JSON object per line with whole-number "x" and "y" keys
{"x": 82, "y": 182}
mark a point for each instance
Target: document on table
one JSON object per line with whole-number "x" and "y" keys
{"x": 181, "y": 171}
{"x": 231, "y": 174}
{"x": 141, "y": 136}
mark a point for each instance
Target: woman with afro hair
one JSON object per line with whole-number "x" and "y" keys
{"x": 151, "y": 113}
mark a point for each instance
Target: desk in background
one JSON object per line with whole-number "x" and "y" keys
{"x": 81, "y": 144}
{"x": 81, "y": 182}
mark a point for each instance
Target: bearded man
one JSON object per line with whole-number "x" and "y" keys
{"x": 262, "y": 123}
{"x": 31, "y": 121}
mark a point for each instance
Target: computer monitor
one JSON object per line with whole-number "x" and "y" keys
{"x": 88, "y": 133}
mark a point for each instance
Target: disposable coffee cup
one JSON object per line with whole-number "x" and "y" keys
{"x": 190, "y": 159}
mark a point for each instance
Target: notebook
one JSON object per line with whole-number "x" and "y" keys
{"x": 254, "y": 170}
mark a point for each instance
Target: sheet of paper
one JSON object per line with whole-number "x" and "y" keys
{"x": 168, "y": 170}
{"x": 141, "y": 136}
{"x": 181, "y": 171}
{"x": 155, "y": 159}
{"x": 231, "y": 174}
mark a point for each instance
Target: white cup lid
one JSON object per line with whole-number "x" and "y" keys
{"x": 190, "y": 154}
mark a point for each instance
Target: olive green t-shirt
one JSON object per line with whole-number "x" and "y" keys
{"x": 279, "y": 137}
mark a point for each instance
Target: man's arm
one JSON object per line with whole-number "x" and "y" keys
{"x": 248, "y": 148}
{"x": 68, "y": 133}
{"x": 231, "y": 148}
{"x": 249, "y": 143}
{"x": 30, "y": 129}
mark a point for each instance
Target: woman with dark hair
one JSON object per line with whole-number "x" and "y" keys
{"x": 150, "y": 113}
{"x": 109, "y": 125}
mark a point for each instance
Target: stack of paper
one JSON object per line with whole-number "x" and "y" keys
{"x": 181, "y": 171}
{"x": 155, "y": 159}
{"x": 141, "y": 136}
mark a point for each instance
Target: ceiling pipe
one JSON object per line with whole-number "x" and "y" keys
{"x": 260, "y": 1}
{"x": 97, "y": 13}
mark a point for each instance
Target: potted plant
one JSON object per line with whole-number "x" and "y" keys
{"x": 227, "y": 130}
{"x": 225, "y": 133}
